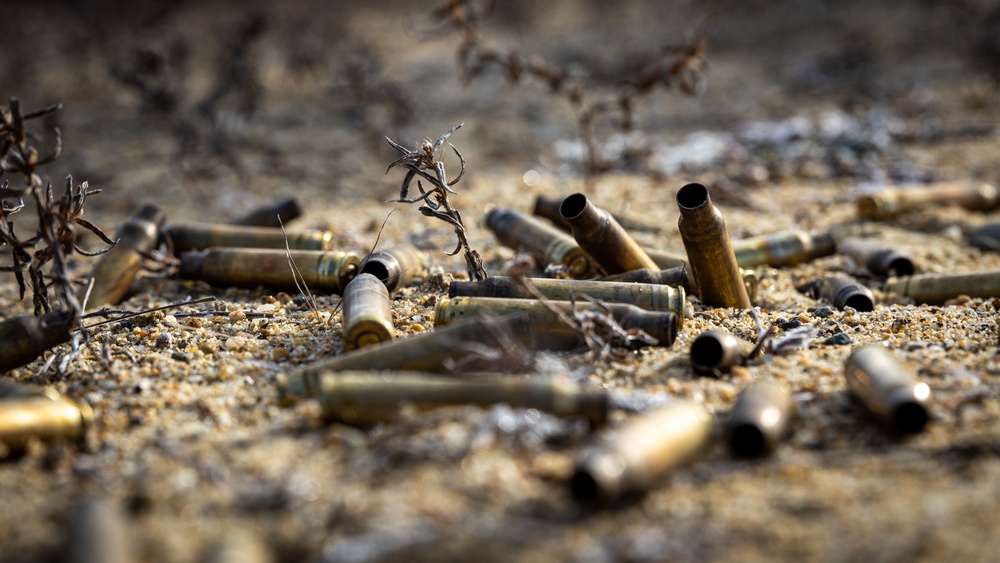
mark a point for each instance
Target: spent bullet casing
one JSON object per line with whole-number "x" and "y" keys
{"x": 667, "y": 259}
{"x": 712, "y": 261}
{"x": 935, "y": 289}
{"x": 646, "y": 296}
{"x": 785, "y": 248}
{"x": 890, "y": 393}
{"x": 28, "y": 413}
{"x": 199, "y": 236}
{"x": 399, "y": 266}
{"x": 326, "y": 271}
{"x": 602, "y": 238}
{"x": 116, "y": 268}
{"x": 716, "y": 351}
{"x": 548, "y": 208}
{"x": 549, "y": 330}
{"x": 844, "y": 292}
{"x": 365, "y": 398}
{"x": 546, "y": 243}
{"x": 878, "y": 259}
{"x": 630, "y": 458}
{"x": 453, "y": 348}
{"x": 23, "y": 339}
{"x": 976, "y": 196}
{"x": 761, "y": 418}
{"x": 676, "y": 277}
{"x": 267, "y": 216}
{"x": 367, "y": 313}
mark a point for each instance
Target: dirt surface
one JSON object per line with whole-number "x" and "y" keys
{"x": 806, "y": 105}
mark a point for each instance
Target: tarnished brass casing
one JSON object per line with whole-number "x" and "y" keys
{"x": 548, "y": 208}
{"x": 549, "y": 330}
{"x": 367, "y": 313}
{"x": 28, "y": 413}
{"x": 602, "y": 238}
{"x": 971, "y": 195}
{"x": 706, "y": 241}
{"x": 891, "y": 394}
{"x": 396, "y": 267}
{"x": 761, "y": 418}
{"x": 785, "y": 248}
{"x": 365, "y": 398}
{"x": 879, "y": 260}
{"x": 22, "y": 339}
{"x": 455, "y": 348}
{"x": 116, "y": 269}
{"x": 844, "y": 292}
{"x": 267, "y": 215}
{"x": 546, "y": 243}
{"x": 667, "y": 258}
{"x": 935, "y": 289}
{"x": 646, "y": 296}
{"x": 199, "y": 236}
{"x": 328, "y": 272}
{"x": 98, "y": 532}
{"x": 715, "y": 352}
{"x": 630, "y": 458}
{"x": 676, "y": 277}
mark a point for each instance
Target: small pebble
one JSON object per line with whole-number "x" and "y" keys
{"x": 823, "y": 312}
{"x": 839, "y": 339}
{"x": 180, "y": 357}
{"x": 164, "y": 340}
{"x": 193, "y": 322}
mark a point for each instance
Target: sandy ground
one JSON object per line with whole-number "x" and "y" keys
{"x": 807, "y": 104}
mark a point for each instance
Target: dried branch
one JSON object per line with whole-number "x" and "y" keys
{"x": 423, "y": 162}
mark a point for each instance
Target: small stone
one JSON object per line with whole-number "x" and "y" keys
{"x": 209, "y": 346}
{"x": 193, "y": 322}
{"x": 235, "y": 343}
{"x": 789, "y": 325}
{"x": 839, "y": 339}
{"x": 180, "y": 357}
{"x": 823, "y": 312}
{"x": 164, "y": 340}
{"x": 236, "y": 316}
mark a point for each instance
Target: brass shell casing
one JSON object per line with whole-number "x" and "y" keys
{"x": 630, "y": 458}
{"x": 549, "y": 330}
{"x": 116, "y": 268}
{"x": 452, "y": 348}
{"x": 712, "y": 261}
{"x": 199, "y": 236}
{"x": 22, "y": 339}
{"x": 602, "y": 238}
{"x": 546, "y": 243}
{"x": 365, "y": 398}
{"x": 267, "y": 215}
{"x": 715, "y": 352}
{"x": 646, "y": 296}
{"x": 976, "y": 196}
{"x": 676, "y": 277}
{"x": 548, "y": 208}
{"x": 667, "y": 259}
{"x": 935, "y": 289}
{"x": 844, "y": 292}
{"x": 28, "y": 413}
{"x": 399, "y": 266}
{"x": 761, "y": 418}
{"x": 367, "y": 313}
{"x": 878, "y": 259}
{"x": 891, "y": 394}
{"x": 325, "y": 271}
{"x": 785, "y": 248}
